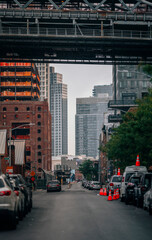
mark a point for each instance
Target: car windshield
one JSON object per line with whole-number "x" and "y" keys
{"x": 117, "y": 179}
{"x": 135, "y": 180}
{"x": 128, "y": 175}
{"x": 1, "y": 183}
{"x": 54, "y": 182}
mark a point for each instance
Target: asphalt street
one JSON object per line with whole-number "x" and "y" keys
{"x": 78, "y": 213}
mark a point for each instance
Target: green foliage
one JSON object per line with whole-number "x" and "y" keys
{"x": 133, "y": 136}
{"x": 89, "y": 171}
{"x": 147, "y": 69}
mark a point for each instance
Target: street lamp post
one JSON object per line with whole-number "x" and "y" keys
{"x": 99, "y": 168}
{"x": 10, "y": 135}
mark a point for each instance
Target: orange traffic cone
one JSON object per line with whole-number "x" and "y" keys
{"x": 109, "y": 197}
{"x": 105, "y": 192}
{"x": 117, "y": 193}
{"x": 137, "y": 161}
{"x": 101, "y": 192}
{"x": 114, "y": 195}
{"x": 118, "y": 171}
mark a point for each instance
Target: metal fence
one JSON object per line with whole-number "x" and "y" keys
{"x": 77, "y": 32}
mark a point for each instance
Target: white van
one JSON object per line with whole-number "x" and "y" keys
{"x": 126, "y": 175}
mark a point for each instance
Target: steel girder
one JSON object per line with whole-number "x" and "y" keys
{"x": 97, "y": 5}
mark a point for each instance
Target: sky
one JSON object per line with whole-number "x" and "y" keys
{"x": 81, "y": 80}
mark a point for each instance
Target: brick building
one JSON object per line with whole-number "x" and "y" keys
{"x": 19, "y": 115}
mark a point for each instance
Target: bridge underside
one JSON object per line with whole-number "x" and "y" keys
{"x": 76, "y": 31}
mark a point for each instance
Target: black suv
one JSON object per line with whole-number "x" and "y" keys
{"x": 131, "y": 188}
{"x": 26, "y": 188}
{"x": 144, "y": 185}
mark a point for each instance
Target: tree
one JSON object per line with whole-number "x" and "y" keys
{"x": 88, "y": 170}
{"x": 133, "y": 136}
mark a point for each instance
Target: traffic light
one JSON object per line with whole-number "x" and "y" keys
{"x": 32, "y": 179}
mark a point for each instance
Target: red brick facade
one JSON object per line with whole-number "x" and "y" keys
{"x": 38, "y": 137}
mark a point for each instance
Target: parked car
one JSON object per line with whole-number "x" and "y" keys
{"x": 147, "y": 201}
{"x": 8, "y": 203}
{"x": 144, "y": 185}
{"x": 131, "y": 188}
{"x": 114, "y": 183}
{"x": 129, "y": 171}
{"x": 20, "y": 197}
{"x": 53, "y": 185}
{"x": 26, "y": 189}
{"x": 94, "y": 185}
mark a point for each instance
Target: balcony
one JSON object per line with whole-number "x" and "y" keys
{"x": 115, "y": 118}
{"x": 122, "y": 104}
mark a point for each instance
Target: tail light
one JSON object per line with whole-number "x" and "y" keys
{"x": 123, "y": 179}
{"x": 48, "y": 185}
{"x": 143, "y": 189}
{"x": 57, "y": 185}
{"x": 5, "y": 193}
{"x": 111, "y": 184}
{"x": 17, "y": 193}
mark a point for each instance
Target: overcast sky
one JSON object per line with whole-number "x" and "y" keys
{"x": 80, "y": 80}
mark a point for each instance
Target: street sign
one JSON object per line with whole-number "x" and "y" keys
{"x": 6, "y": 158}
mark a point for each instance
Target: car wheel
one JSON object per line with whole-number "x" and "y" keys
{"x": 150, "y": 210}
{"x": 126, "y": 201}
{"x": 13, "y": 221}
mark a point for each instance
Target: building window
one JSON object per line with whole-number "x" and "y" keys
{"x": 4, "y": 116}
{"x": 16, "y": 108}
{"x": 39, "y": 116}
{"x": 39, "y": 131}
{"x": 16, "y": 116}
{"x": 39, "y": 169}
{"x": 4, "y": 109}
{"x": 144, "y": 83}
{"x": 39, "y": 153}
{"x": 28, "y": 109}
{"x": 39, "y": 160}
{"x": 28, "y": 153}
{"x": 39, "y": 109}
{"x": 39, "y": 123}
{"x": 39, "y": 146}
{"x": 28, "y": 116}
{"x": 39, "y": 139}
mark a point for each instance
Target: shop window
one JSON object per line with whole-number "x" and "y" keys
{"x": 39, "y": 131}
{"x": 16, "y": 108}
{"x": 39, "y": 116}
{"x": 39, "y": 123}
{"x": 39, "y": 139}
{"x": 39, "y": 146}
{"x": 4, "y": 109}
{"x": 39, "y": 160}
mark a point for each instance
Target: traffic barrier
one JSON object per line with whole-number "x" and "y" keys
{"x": 114, "y": 195}
{"x": 109, "y": 197}
{"x": 101, "y": 192}
{"x": 105, "y": 192}
{"x": 137, "y": 161}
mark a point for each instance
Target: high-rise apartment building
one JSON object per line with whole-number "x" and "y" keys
{"x": 59, "y": 113}
{"x": 19, "y": 81}
{"x": 98, "y": 90}
{"x": 88, "y": 123}
{"x": 131, "y": 82}
{"x": 44, "y": 73}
